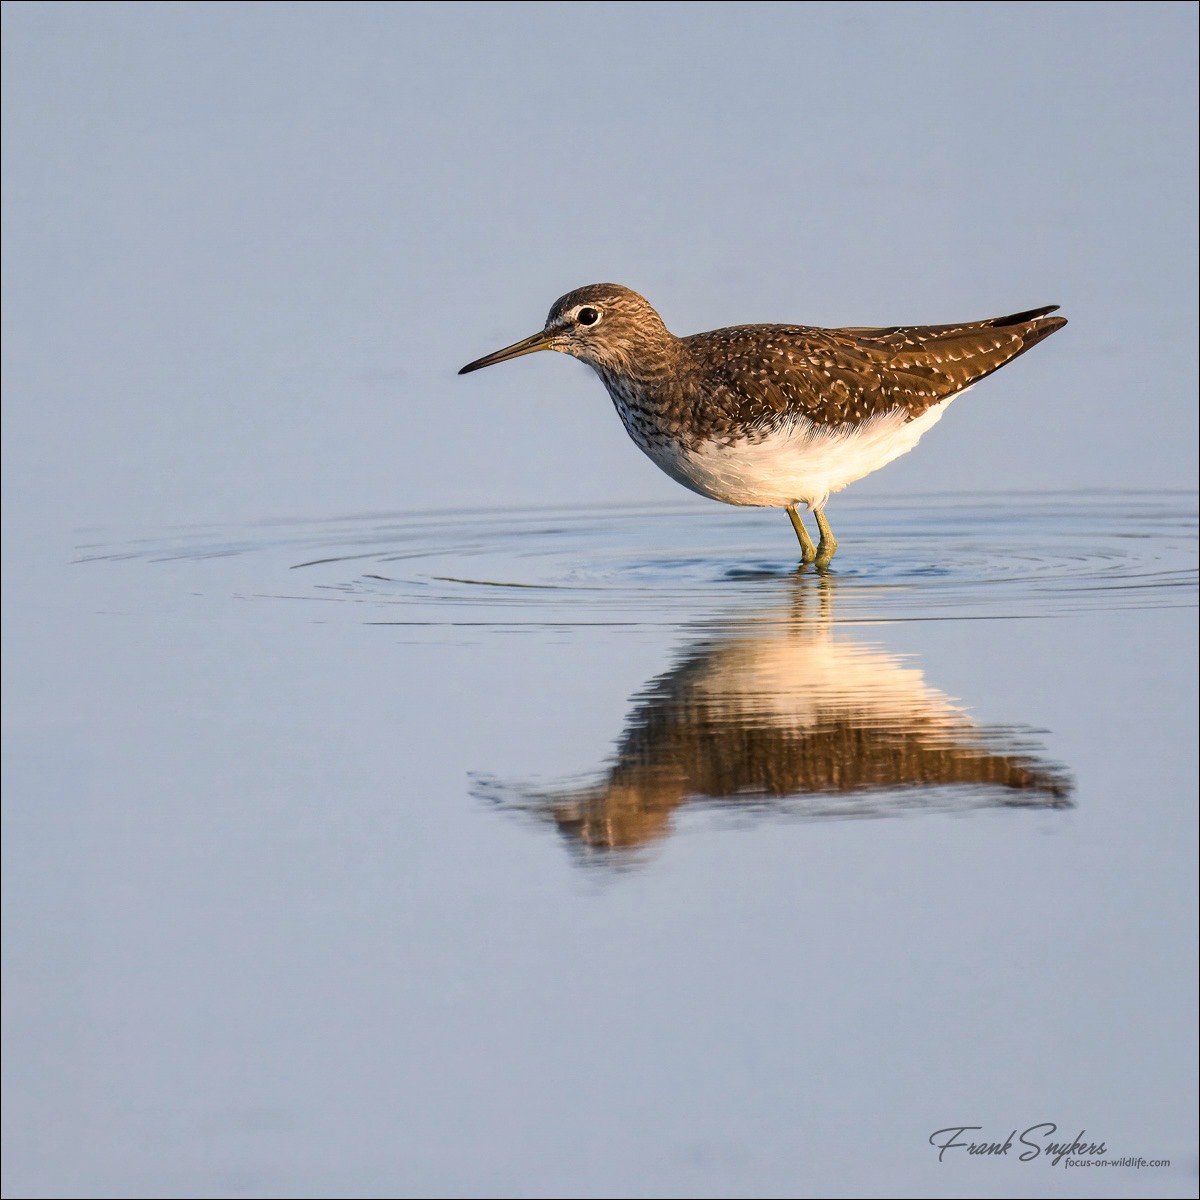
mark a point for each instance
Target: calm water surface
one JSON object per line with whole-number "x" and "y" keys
{"x": 605, "y": 853}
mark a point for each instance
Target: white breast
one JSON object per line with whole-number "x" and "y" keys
{"x": 801, "y": 464}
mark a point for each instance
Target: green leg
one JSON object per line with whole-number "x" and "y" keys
{"x": 808, "y": 551}
{"x": 828, "y": 546}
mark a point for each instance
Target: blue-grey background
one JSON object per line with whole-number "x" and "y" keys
{"x": 249, "y": 245}
{"x": 260, "y": 941}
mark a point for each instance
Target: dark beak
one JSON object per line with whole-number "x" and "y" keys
{"x": 539, "y": 341}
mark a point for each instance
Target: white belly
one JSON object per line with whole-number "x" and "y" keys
{"x": 803, "y": 464}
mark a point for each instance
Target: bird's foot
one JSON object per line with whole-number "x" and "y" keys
{"x": 824, "y": 556}
{"x": 827, "y": 547}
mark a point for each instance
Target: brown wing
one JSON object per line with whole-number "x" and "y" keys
{"x": 764, "y": 373}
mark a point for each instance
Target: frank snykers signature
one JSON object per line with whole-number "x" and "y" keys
{"x": 953, "y": 1137}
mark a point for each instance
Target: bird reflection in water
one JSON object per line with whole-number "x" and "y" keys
{"x": 781, "y": 711}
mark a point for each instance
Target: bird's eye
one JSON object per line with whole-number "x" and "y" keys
{"x": 587, "y": 316}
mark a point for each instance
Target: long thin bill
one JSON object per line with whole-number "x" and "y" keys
{"x": 539, "y": 341}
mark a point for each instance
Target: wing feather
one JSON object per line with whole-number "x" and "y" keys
{"x": 763, "y": 374}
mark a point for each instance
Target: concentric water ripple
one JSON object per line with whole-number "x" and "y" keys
{"x": 917, "y": 558}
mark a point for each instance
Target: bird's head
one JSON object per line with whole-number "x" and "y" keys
{"x": 603, "y": 324}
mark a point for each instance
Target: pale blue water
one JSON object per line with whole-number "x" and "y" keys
{"x": 605, "y": 852}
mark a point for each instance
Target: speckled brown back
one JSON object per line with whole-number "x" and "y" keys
{"x": 764, "y": 375}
